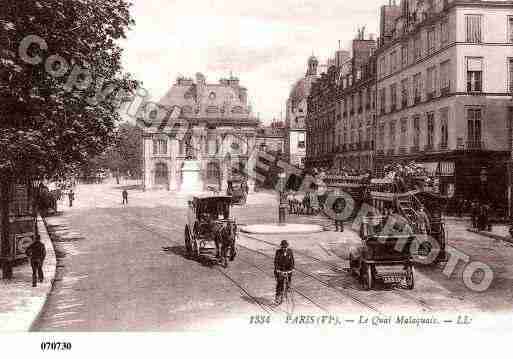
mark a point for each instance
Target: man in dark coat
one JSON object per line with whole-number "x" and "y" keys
{"x": 71, "y": 197}
{"x": 124, "y": 194}
{"x": 338, "y": 209}
{"x": 474, "y": 213}
{"x": 37, "y": 253}
{"x": 283, "y": 262}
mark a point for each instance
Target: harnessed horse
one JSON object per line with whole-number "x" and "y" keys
{"x": 224, "y": 239}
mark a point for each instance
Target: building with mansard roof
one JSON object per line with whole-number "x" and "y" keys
{"x": 215, "y": 126}
{"x": 297, "y": 111}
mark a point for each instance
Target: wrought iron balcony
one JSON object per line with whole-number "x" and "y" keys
{"x": 414, "y": 149}
{"x": 475, "y": 145}
{"x": 402, "y": 150}
{"x": 443, "y": 146}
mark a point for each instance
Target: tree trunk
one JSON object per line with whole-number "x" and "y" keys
{"x": 5, "y": 249}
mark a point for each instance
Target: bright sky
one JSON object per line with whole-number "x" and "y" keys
{"x": 266, "y": 43}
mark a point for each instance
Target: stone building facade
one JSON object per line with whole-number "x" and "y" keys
{"x": 297, "y": 111}
{"x": 271, "y": 139}
{"x": 214, "y": 125}
{"x": 342, "y": 107}
{"x": 444, "y": 92}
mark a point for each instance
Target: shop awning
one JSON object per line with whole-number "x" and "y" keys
{"x": 446, "y": 169}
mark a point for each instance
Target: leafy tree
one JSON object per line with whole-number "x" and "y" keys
{"x": 61, "y": 83}
{"x": 123, "y": 157}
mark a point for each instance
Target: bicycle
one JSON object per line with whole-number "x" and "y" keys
{"x": 286, "y": 290}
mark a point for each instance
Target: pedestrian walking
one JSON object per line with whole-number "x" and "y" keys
{"x": 338, "y": 208}
{"x": 124, "y": 194}
{"x": 71, "y": 197}
{"x": 424, "y": 220}
{"x": 474, "y": 213}
{"x": 37, "y": 253}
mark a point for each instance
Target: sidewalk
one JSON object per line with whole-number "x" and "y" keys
{"x": 499, "y": 231}
{"x": 20, "y": 303}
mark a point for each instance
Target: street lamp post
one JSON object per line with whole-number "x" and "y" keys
{"x": 484, "y": 179}
{"x": 282, "y": 199}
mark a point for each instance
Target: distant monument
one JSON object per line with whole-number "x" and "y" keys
{"x": 191, "y": 172}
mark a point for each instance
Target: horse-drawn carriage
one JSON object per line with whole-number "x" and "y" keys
{"x": 384, "y": 254}
{"x": 209, "y": 222}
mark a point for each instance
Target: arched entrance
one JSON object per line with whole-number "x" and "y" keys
{"x": 213, "y": 174}
{"x": 161, "y": 175}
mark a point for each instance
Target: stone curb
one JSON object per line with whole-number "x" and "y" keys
{"x": 289, "y": 228}
{"x": 491, "y": 235}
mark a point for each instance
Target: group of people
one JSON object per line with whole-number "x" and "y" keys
{"x": 308, "y": 205}
{"x": 480, "y": 216}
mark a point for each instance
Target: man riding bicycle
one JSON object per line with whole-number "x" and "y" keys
{"x": 283, "y": 266}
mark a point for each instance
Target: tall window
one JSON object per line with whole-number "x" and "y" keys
{"x": 404, "y": 93}
{"x": 431, "y": 40}
{"x": 369, "y": 98}
{"x": 392, "y": 134}
{"x": 474, "y": 128}
{"x": 382, "y": 99}
{"x": 444, "y": 131}
{"x": 445, "y": 84}
{"x": 444, "y": 32}
{"x": 404, "y": 131}
{"x": 392, "y": 61}
{"x": 430, "y": 130}
{"x": 510, "y": 28}
{"x": 417, "y": 43}
{"x": 393, "y": 97}
{"x": 473, "y": 26}
{"x": 430, "y": 82}
{"x": 160, "y": 147}
{"x": 381, "y": 137}
{"x": 404, "y": 55}
{"x": 416, "y": 88}
{"x": 511, "y": 76}
{"x": 474, "y": 74}
{"x": 382, "y": 67}
{"x": 416, "y": 131}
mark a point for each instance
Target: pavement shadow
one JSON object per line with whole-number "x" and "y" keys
{"x": 180, "y": 251}
{"x": 260, "y": 300}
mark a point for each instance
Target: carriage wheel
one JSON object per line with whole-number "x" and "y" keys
{"x": 195, "y": 248}
{"x": 187, "y": 238}
{"x": 367, "y": 277}
{"x": 410, "y": 281}
{"x": 363, "y": 276}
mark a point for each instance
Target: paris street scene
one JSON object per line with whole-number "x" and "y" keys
{"x": 178, "y": 165}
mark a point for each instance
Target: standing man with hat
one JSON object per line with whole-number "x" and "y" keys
{"x": 37, "y": 253}
{"x": 283, "y": 266}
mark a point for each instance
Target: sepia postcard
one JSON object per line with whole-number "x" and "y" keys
{"x": 311, "y": 174}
